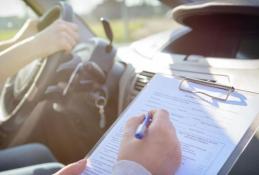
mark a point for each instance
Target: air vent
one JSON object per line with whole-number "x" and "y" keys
{"x": 142, "y": 79}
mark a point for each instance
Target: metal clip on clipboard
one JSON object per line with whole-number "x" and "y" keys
{"x": 228, "y": 89}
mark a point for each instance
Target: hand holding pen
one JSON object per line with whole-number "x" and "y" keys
{"x": 158, "y": 150}
{"x": 142, "y": 128}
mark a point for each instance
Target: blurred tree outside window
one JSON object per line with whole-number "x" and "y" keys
{"x": 13, "y": 14}
{"x": 130, "y": 19}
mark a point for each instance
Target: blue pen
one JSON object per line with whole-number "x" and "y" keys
{"x": 140, "y": 132}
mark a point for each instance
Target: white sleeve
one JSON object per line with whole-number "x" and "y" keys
{"x": 126, "y": 167}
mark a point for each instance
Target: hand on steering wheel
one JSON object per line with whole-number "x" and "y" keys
{"x": 59, "y": 36}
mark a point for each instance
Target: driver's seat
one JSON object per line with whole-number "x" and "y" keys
{"x": 28, "y": 159}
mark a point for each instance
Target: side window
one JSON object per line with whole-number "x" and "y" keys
{"x": 13, "y": 14}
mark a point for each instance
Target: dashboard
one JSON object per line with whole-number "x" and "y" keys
{"x": 229, "y": 60}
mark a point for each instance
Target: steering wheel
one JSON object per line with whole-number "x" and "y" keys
{"x": 21, "y": 92}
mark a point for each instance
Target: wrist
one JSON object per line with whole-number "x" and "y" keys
{"x": 29, "y": 47}
{"x": 37, "y": 48}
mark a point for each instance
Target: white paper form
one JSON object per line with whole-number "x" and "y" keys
{"x": 208, "y": 130}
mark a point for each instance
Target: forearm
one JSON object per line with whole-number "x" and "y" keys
{"x": 17, "y": 56}
{"x": 27, "y": 30}
{"x": 59, "y": 36}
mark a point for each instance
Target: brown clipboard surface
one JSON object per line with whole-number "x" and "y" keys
{"x": 232, "y": 159}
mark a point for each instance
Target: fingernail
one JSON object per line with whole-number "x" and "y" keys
{"x": 82, "y": 161}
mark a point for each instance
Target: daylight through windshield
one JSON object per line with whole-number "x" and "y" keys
{"x": 130, "y": 19}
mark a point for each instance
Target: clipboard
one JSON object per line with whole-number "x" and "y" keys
{"x": 245, "y": 140}
{"x": 228, "y": 89}
{"x": 240, "y": 147}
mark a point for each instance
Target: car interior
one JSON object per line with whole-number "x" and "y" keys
{"x": 68, "y": 102}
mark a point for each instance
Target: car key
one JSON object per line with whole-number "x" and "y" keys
{"x": 100, "y": 103}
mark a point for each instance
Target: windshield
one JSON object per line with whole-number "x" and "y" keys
{"x": 130, "y": 19}
{"x": 13, "y": 14}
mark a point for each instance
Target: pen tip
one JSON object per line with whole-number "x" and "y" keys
{"x": 138, "y": 136}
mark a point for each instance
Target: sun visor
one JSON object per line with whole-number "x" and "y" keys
{"x": 205, "y": 12}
